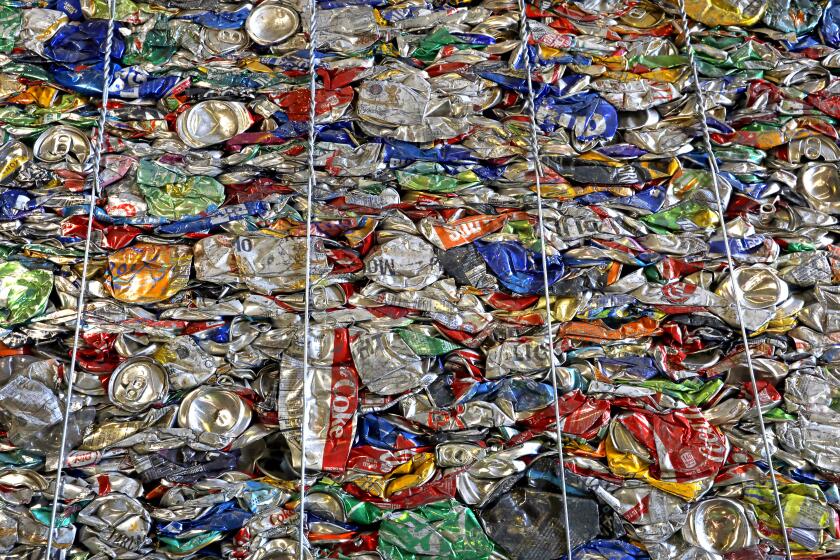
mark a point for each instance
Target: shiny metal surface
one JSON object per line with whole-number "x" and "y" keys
{"x": 225, "y": 41}
{"x": 63, "y": 143}
{"x": 215, "y": 410}
{"x": 719, "y": 525}
{"x": 137, "y": 384}
{"x": 819, "y": 183}
{"x": 212, "y": 122}
{"x": 760, "y": 284}
{"x": 272, "y": 22}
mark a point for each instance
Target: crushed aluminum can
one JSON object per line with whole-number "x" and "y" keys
{"x": 264, "y": 263}
{"x": 719, "y": 525}
{"x": 387, "y": 365}
{"x": 406, "y": 263}
{"x": 332, "y": 387}
{"x": 271, "y": 23}
{"x": 542, "y": 536}
{"x": 212, "y": 122}
{"x": 137, "y": 384}
{"x": 63, "y": 143}
{"x": 115, "y": 522}
{"x": 216, "y": 411}
{"x": 817, "y": 182}
{"x": 224, "y": 41}
{"x": 431, "y": 429}
{"x": 13, "y": 156}
{"x": 146, "y": 272}
{"x": 458, "y": 454}
{"x": 760, "y": 285}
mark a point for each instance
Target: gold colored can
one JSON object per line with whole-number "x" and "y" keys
{"x": 147, "y": 273}
{"x": 411, "y": 474}
{"x": 13, "y": 156}
{"x": 722, "y": 12}
{"x": 642, "y": 16}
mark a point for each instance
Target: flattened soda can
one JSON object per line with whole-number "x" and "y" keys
{"x": 271, "y": 23}
{"x": 23, "y": 293}
{"x": 63, "y": 143}
{"x": 212, "y": 122}
{"x": 13, "y": 156}
{"x": 137, "y": 384}
{"x": 215, "y": 410}
{"x": 719, "y": 525}
{"x": 147, "y": 272}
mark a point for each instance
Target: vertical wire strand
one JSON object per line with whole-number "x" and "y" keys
{"x": 80, "y": 303}
{"x": 311, "y": 183}
{"x": 737, "y": 292}
{"x": 534, "y": 151}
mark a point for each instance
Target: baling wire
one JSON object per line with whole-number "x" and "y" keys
{"x": 80, "y": 303}
{"x": 737, "y": 292}
{"x": 310, "y": 186}
{"x": 534, "y": 152}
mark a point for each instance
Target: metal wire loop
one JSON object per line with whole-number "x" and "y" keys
{"x": 737, "y": 292}
{"x": 534, "y": 153}
{"x": 80, "y": 303}
{"x": 311, "y": 183}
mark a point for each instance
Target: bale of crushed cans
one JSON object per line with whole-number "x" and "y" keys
{"x": 428, "y": 403}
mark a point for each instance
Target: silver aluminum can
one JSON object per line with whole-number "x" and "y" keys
{"x": 216, "y": 410}
{"x": 115, "y": 521}
{"x": 719, "y": 525}
{"x": 63, "y": 143}
{"x": 387, "y": 365}
{"x": 137, "y": 384}
{"x": 271, "y": 23}
{"x": 224, "y": 41}
{"x": 403, "y": 263}
{"x": 212, "y": 122}
{"x": 760, "y": 285}
{"x": 458, "y": 454}
{"x": 819, "y": 183}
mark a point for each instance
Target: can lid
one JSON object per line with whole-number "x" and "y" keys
{"x": 224, "y": 41}
{"x": 212, "y": 122}
{"x": 215, "y": 410}
{"x": 642, "y": 16}
{"x": 137, "y": 384}
{"x": 272, "y": 22}
{"x": 63, "y": 143}
{"x": 819, "y": 183}
{"x": 719, "y": 525}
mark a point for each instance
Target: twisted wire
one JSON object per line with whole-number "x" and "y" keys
{"x": 80, "y": 303}
{"x": 311, "y": 183}
{"x": 737, "y": 292}
{"x": 534, "y": 152}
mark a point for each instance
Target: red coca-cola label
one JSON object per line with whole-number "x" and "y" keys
{"x": 376, "y": 460}
{"x": 343, "y": 402}
{"x": 684, "y": 444}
